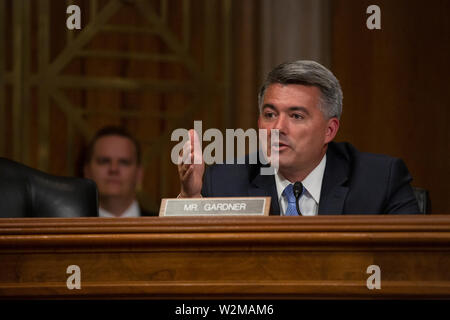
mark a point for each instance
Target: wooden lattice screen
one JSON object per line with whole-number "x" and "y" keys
{"x": 151, "y": 66}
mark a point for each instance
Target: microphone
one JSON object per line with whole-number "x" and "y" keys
{"x": 298, "y": 190}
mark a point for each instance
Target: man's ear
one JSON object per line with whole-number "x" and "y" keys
{"x": 332, "y": 129}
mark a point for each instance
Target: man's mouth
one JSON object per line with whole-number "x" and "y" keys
{"x": 112, "y": 181}
{"x": 281, "y": 146}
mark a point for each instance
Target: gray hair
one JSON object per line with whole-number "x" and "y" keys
{"x": 308, "y": 73}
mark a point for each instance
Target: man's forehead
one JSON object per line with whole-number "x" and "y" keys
{"x": 114, "y": 145}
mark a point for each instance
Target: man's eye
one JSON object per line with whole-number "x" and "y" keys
{"x": 102, "y": 161}
{"x": 125, "y": 162}
{"x": 269, "y": 115}
{"x": 297, "y": 116}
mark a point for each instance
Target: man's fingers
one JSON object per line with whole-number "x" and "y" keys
{"x": 186, "y": 172}
{"x": 197, "y": 156}
{"x": 193, "y": 138}
{"x": 186, "y": 155}
{"x": 191, "y": 152}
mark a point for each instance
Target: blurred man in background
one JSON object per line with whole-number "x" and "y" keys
{"x": 113, "y": 162}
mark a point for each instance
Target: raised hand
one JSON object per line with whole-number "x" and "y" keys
{"x": 191, "y": 173}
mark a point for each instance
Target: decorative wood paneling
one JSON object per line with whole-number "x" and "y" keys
{"x": 395, "y": 86}
{"x": 150, "y": 65}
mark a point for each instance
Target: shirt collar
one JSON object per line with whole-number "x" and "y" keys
{"x": 312, "y": 183}
{"x": 133, "y": 211}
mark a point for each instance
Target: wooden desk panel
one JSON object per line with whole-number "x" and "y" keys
{"x": 226, "y": 257}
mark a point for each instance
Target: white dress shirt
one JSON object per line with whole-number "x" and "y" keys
{"x": 133, "y": 211}
{"x": 312, "y": 184}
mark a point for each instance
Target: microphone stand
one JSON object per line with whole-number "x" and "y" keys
{"x": 298, "y": 190}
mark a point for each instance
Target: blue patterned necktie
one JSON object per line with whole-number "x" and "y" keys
{"x": 288, "y": 193}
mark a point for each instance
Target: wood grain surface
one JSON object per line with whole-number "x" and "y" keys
{"x": 226, "y": 257}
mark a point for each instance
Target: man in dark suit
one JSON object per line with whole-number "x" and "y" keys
{"x": 303, "y": 101}
{"x": 113, "y": 162}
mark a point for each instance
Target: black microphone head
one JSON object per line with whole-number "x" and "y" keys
{"x": 298, "y": 189}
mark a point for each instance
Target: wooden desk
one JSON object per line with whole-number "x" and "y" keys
{"x": 226, "y": 257}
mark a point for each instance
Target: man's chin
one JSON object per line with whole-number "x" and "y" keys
{"x": 111, "y": 193}
{"x": 286, "y": 165}
{"x": 285, "y": 160}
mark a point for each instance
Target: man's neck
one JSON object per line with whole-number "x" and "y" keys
{"x": 301, "y": 173}
{"x": 114, "y": 205}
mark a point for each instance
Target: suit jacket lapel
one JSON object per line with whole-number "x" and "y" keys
{"x": 263, "y": 186}
{"x": 334, "y": 191}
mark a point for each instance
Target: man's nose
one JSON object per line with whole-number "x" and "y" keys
{"x": 113, "y": 167}
{"x": 281, "y": 124}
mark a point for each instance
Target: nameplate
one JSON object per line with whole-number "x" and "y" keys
{"x": 242, "y": 206}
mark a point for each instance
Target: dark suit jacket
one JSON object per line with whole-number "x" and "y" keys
{"x": 353, "y": 183}
{"x": 145, "y": 213}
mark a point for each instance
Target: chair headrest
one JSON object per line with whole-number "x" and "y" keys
{"x": 26, "y": 192}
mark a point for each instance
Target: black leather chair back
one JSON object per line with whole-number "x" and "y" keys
{"x": 26, "y": 192}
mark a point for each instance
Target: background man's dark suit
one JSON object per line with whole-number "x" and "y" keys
{"x": 354, "y": 183}
{"x": 145, "y": 213}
